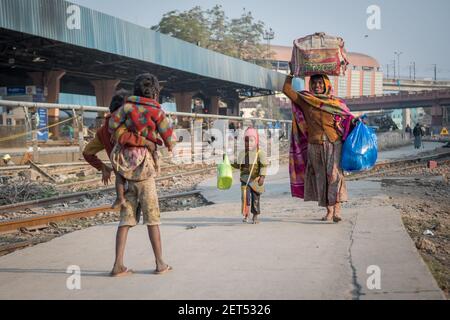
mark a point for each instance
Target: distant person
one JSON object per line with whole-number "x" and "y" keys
{"x": 365, "y": 119}
{"x": 277, "y": 125}
{"x": 269, "y": 130}
{"x": 280, "y": 131}
{"x": 174, "y": 121}
{"x": 408, "y": 131}
{"x": 418, "y": 134}
{"x": 70, "y": 132}
{"x": 259, "y": 124}
{"x": 252, "y": 163}
{"x": 198, "y": 106}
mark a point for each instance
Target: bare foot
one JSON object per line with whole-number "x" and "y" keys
{"x": 118, "y": 203}
{"x": 337, "y": 214}
{"x": 329, "y": 216}
{"x": 163, "y": 268}
{"x": 120, "y": 271}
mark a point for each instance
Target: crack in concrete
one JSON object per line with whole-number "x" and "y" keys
{"x": 357, "y": 288}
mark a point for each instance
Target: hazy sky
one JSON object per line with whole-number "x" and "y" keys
{"x": 420, "y": 29}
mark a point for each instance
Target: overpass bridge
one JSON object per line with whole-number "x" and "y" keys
{"x": 414, "y": 85}
{"x": 402, "y": 100}
{"x": 437, "y": 100}
{"x": 39, "y": 47}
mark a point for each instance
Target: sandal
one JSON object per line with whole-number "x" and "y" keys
{"x": 337, "y": 219}
{"x": 169, "y": 268}
{"x": 127, "y": 272}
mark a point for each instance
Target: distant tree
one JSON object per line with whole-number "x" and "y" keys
{"x": 211, "y": 29}
{"x": 218, "y": 24}
{"x": 190, "y": 26}
{"x": 247, "y": 37}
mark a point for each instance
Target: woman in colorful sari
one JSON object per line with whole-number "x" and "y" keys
{"x": 321, "y": 122}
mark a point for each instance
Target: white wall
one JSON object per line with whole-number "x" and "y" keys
{"x": 355, "y": 83}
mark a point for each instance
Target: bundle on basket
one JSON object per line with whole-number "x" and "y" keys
{"x": 360, "y": 150}
{"x": 224, "y": 174}
{"x": 319, "y": 53}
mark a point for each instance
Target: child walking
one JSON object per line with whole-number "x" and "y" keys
{"x": 145, "y": 117}
{"x": 252, "y": 163}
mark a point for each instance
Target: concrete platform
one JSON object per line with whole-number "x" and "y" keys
{"x": 408, "y": 151}
{"x": 290, "y": 255}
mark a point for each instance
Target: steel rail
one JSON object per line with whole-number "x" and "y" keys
{"x": 43, "y": 220}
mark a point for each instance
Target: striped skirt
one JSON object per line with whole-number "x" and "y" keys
{"x": 324, "y": 181}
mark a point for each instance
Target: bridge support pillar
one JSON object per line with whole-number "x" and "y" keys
{"x": 233, "y": 107}
{"x": 183, "y": 101}
{"x": 104, "y": 91}
{"x": 214, "y": 105}
{"x": 406, "y": 115}
{"x": 52, "y": 81}
{"x": 437, "y": 118}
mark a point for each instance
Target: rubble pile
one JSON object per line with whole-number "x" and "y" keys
{"x": 20, "y": 189}
{"x": 424, "y": 202}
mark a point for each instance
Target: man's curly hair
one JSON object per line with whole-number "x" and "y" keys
{"x": 146, "y": 85}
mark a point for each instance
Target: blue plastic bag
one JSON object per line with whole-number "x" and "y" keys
{"x": 360, "y": 150}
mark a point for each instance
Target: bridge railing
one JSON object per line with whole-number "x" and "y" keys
{"x": 402, "y": 95}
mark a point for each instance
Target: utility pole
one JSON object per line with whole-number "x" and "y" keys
{"x": 393, "y": 63}
{"x": 435, "y": 72}
{"x": 268, "y": 35}
{"x": 387, "y": 70}
{"x": 414, "y": 70}
{"x": 398, "y": 53}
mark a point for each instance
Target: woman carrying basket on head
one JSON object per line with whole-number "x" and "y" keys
{"x": 320, "y": 123}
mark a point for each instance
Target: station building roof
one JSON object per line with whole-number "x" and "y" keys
{"x": 35, "y": 34}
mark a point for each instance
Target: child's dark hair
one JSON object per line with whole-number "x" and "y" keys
{"x": 118, "y": 100}
{"x": 149, "y": 82}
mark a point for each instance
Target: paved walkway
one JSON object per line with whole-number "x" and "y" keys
{"x": 290, "y": 255}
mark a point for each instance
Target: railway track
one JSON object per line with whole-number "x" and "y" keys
{"x": 400, "y": 165}
{"x": 42, "y": 220}
{"x": 51, "y": 220}
{"x": 77, "y": 195}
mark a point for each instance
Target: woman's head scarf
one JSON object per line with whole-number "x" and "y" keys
{"x": 252, "y": 132}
